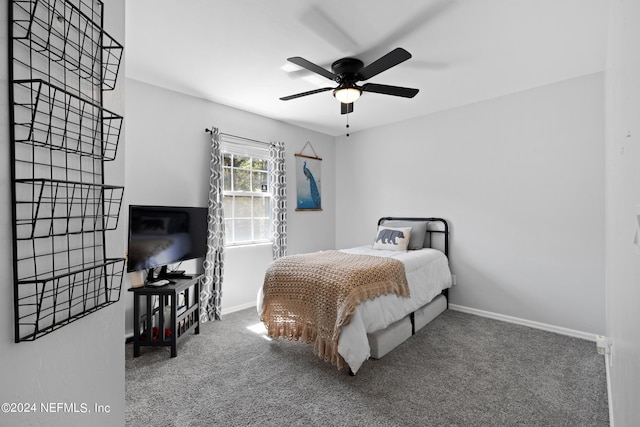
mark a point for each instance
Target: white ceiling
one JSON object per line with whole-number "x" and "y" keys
{"x": 234, "y": 51}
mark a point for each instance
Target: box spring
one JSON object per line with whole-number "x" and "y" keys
{"x": 385, "y": 340}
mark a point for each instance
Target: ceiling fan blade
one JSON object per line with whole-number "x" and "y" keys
{"x": 405, "y": 92}
{"x": 391, "y": 59}
{"x": 408, "y": 29}
{"x": 346, "y": 108}
{"x": 320, "y": 23}
{"x": 311, "y": 92}
{"x": 312, "y": 67}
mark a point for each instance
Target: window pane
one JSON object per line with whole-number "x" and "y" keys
{"x": 261, "y": 229}
{"x": 260, "y": 164}
{"x": 260, "y": 207}
{"x": 226, "y": 178}
{"x": 243, "y": 207}
{"x": 243, "y": 162}
{"x": 227, "y": 205}
{"x": 228, "y": 231}
{"x": 242, "y": 229}
{"x": 260, "y": 179}
{"x": 241, "y": 180}
{"x": 248, "y": 216}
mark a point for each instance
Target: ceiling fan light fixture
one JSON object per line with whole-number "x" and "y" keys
{"x": 347, "y": 95}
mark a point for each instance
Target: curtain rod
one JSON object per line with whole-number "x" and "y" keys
{"x": 238, "y": 137}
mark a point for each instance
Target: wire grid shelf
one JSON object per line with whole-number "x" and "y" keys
{"x": 50, "y": 116}
{"x": 46, "y": 305}
{"x": 61, "y": 61}
{"x": 57, "y": 208}
{"x": 64, "y": 40}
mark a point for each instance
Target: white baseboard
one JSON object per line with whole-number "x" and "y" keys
{"x": 129, "y": 335}
{"x": 238, "y": 308}
{"x": 607, "y": 364}
{"x": 537, "y": 325}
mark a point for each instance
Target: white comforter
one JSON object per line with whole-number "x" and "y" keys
{"x": 427, "y": 274}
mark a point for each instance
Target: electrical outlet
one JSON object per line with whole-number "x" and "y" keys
{"x": 453, "y": 280}
{"x": 602, "y": 343}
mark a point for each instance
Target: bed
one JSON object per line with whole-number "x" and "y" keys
{"x": 379, "y": 295}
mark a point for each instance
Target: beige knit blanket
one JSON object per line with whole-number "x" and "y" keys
{"x": 310, "y": 297}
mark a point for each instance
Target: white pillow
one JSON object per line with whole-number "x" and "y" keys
{"x": 392, "y": 238}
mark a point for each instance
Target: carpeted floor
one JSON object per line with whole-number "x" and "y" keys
{"x": 460, "y": 370}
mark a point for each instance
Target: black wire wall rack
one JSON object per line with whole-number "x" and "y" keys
{"x": 61, "y": 61}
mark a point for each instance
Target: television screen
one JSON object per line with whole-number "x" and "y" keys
{"x": 161, "y": 235}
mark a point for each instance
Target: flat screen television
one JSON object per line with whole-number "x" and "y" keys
{"x": 163, "y": 235}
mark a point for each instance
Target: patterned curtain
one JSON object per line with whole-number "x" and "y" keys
{"x": 278, "y": 181}
{"x": 211, "y": 288}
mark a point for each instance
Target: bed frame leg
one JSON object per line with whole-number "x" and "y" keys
{"x": 412, "y": 317}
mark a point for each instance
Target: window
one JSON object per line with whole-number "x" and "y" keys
{"x": 246, "y": 195}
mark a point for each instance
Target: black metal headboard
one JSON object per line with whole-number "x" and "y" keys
{"x": 434, "y": 225}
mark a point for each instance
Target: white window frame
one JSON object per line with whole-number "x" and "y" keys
{"x": 253, "y": 151}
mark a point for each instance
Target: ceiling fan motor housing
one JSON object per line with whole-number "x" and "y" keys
{"x": 346, "y": 70}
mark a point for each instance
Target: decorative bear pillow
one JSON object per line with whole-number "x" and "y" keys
{"x": 392, "y": 238}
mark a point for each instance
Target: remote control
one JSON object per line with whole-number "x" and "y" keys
{"x": 158, "y": 283}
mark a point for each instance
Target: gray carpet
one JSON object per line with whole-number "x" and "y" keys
{"x": 460, "y": 370}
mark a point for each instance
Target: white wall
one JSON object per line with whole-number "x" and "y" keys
{"x": 82, "y": 362}
{"x": 521, "y": 181}
{"x": 623, "y": 210}
{"x": 168, "y": 163}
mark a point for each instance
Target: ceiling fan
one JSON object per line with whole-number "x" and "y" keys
{"x": 347, "y": 72}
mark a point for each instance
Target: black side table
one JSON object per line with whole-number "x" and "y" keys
{"x": 181, "y": 321}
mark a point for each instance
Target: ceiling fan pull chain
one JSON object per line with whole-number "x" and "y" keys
{"x": 347, "y": 124}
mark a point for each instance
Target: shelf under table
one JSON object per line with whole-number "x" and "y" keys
{"x": 144, "y": 332}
